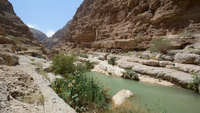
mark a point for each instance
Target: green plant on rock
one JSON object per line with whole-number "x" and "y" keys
{"x": 195, "y": 83}
{"x": 63, "y": 64}
{"x": 112, "y": 60}
{"x": 81, "y": 92}
{"x": 84, "y": 55}
{"x": 160, "y": 45}
{"x": 89, "y": 65}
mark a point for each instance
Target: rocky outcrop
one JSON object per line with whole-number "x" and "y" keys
{"x": 13, "y": 28}
{"x": 187, "y": 58}
{"x": 19, "y": 92}
{"x": 38, "y": 34}
{"x": 121, "y": 96}
{"x": 107, "y": 69}
{"x": 123, "y": 25}
{"x": 8, "y": 59}
{"x": 6, "y": 43}
{"x": 51, "y": 41}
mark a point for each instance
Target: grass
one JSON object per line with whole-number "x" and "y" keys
{"x": 43, "y": 73}
{"x": 34, "y": 98}
{"x": 37, "y": 64}
{"x": 32, "y": 60}
{"x": 84, "y": 55}
{"x": 128, "y": 54}
{"x": 160, "y": 45}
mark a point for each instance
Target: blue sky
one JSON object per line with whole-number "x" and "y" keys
{"x": 47, "y": 16}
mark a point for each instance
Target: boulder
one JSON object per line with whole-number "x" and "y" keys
{"x": 2, "y": 32}
{"x": 4, "y": 40}
{"x": 121, "y": 96}
{"x": 187, "y": 58}
{"x": 151, "y": 62}
{"x": 105, "y": 68}
{"x": 165, "y": 63}
{"x": 8, "y": 59}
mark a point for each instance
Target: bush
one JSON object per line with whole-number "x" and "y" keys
{"x": 76, "y": 89}
{"x": 112, "y": 60}
{"x": 82, "y": 93}
{"x": 84, "y": 55}
{"x": 89, "y": 65}
{"x": 160, "y": 45}
{"x": 63, "y": 64}
{"x": 195, "y": 83}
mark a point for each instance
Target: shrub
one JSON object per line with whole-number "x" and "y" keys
{"x": 63, "y": 64}
{"x": 130, "y": 74}
{"x": 32, "y": 60}
{"x": 89, "y": 65}
{"x": 81, "y": 92}
{"x": 112, "y": 60}
{"x": 195, "y": 83}
{"x": 84, "y": 55}
{"x": 76, "y": 89}
{"x": 160, "y": 45}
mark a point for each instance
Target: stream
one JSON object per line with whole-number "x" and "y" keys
{"x": 173, "y": 99}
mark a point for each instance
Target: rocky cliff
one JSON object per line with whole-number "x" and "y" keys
{"x": 38, "y": 34}
{"x": 12, "y": 27}
{"x": 51, "y": 41}
{"x": 123, "y": 25}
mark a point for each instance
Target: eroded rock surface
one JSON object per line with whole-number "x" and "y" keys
{"x": 8, "y": 59}
{"x": 187, "y": 58}
{"x": 19, "y": 92}
{"x": 122, "y": 25}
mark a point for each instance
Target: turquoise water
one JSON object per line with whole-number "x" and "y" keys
{"x": 175, "y": 100}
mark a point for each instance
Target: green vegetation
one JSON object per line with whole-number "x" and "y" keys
{"x": 63, "y": 64}
{"x": 84, "y": 55}
{"x": 79, "y": 91}
{"x": 32, "y": 60}
{"x": 89, "y": 65}
{"x": 112, "y": 60}
{"x": 40, "y": 56}
{"x": 37, "y": 64}
{"x": 160, "y": 45}
{"x": 130, "y": 74}
{"x": 44, "y": 73}
{"x": 195, "y": 83}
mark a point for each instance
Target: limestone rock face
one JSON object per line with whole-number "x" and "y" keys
{"x": 38, "y": 34}
{"x": 8, "y": 59}
{"x": 120, "y": 97}
{"x": 123, "y": 25}
{"x": 13, "y": 27}
{"x": 105, "y": 68}
{"x": 19, "y": 93}
{"x": 187, "y": 58}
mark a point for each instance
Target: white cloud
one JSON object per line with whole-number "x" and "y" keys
{"x": 33, "y": 26}
{"x": 50, "y": 33}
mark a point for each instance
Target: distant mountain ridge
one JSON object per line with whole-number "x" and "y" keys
{"x": 51, "y": 41}
{"x": 38, "y": 34}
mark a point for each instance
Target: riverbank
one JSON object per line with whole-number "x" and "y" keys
{"x": 167, "y": 73}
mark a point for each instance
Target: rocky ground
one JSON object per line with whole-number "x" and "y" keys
{"x": 23, "y": 90}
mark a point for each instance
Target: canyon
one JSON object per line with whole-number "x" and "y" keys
{"x": 100, "y": 30}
